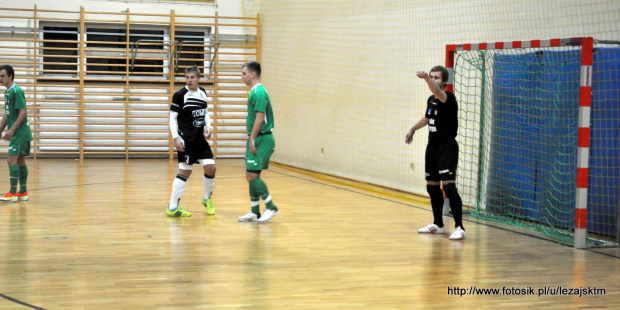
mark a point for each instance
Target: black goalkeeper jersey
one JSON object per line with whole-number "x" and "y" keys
{"x": 443, "y": 119}
{"x": 191, "y": 106}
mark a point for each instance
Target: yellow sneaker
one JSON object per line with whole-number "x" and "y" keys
{"x": 178, "y": 212}
{"x": 9, "y": 197}
{"x": 209, "y": 205}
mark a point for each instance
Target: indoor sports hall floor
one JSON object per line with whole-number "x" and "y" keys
{"x": 94, "y": 235}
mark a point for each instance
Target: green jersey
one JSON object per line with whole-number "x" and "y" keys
{"x": 14, "y": 100}
{"x": 258, "y": 101}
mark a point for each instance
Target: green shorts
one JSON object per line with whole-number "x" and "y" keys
{"x": 18, "y": 147}
{"x": 265, "y": 146}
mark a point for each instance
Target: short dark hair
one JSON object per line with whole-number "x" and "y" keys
{"x": 193, "y": 69}
{"x": 444, "y": 73}
{"x": 253, "y": 66}
{"x": 9, "y": 70}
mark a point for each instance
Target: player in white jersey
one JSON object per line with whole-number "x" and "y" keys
{"x": 190, "y": 126}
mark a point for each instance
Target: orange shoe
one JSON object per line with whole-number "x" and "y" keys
{"x": 22, "y": 196}
{"x": 9, "y": 197}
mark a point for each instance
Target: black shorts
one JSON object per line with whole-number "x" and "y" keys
{"x": 194, "y": 151}
{"x": 441, "y": 160}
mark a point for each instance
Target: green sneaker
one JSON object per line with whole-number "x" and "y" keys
{"x": 209, "y": 205}
{"x": 178, "y": 212}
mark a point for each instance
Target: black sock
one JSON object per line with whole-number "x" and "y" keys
{"x": 434, "y": 191}
{"x": 456, "y": 204}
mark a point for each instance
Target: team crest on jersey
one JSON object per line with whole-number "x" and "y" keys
{"x": 199, "y": 122}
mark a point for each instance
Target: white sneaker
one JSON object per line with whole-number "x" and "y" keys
{"x": 458, "y": 234}
{"x": 431, "y": 229}
{"x": 248, "y": 217}
{"x": 267, "y": 215}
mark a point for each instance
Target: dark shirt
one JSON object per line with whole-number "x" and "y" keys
{"x": 442, "y": 118}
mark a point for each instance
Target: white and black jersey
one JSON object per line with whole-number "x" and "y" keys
{"x": 191, "y": 106}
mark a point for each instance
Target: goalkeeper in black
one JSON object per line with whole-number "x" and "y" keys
{"x": 442, "y": 151}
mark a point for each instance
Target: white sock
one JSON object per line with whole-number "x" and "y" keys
{"x": 178, "y": 186}
{"x": 209, "y": 184}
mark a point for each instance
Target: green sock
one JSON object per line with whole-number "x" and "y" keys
{"x": 13, "y": 177}
{"x": 255, "y": 205}
{"x": 23, "y": 178}
{"x": 269, "y": 205}
{"x": 254, "y": 198}
{"x": 263, "y": 192}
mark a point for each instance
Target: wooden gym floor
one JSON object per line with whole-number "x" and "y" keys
{"x": 94, "y": 236}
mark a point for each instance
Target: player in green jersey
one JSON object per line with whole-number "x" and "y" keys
{"x": 18, "y": 134}
{"x": 260, "y": 144}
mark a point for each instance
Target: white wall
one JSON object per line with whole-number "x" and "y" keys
{"x": 341, "y": 73}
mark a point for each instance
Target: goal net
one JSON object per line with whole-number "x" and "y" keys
{"x": 540, "y": 135}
